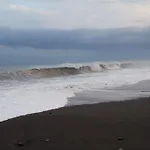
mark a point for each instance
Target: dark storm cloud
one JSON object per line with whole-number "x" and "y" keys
{"x": 77, "y": 39}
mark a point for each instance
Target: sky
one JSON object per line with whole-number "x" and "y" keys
{"x": 62, "y": 31}
{"x": 74, "y": 14}
{"x": 32, "y": 47}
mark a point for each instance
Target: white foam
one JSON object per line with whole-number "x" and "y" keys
{"x": 95, "y": 66}
{"x": 30, "y": 98}
{"x": 44, "y": 94}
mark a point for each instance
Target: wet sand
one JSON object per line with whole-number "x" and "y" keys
{"x": 104, "y": 126}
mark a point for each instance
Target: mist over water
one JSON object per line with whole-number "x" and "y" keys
{"x": 30, "y": 57}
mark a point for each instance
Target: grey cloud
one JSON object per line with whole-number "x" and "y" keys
{"x": 76, "y": 39}
{"x": 40, "y": 47}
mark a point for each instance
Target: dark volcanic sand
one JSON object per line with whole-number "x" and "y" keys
{"x": 105, "y": 126}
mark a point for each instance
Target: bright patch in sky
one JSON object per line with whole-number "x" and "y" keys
{"x": 72, "y": 14}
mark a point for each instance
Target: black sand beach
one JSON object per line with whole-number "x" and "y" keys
{"x": 106, "y": 126}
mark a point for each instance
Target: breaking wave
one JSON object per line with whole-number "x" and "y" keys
{"x": 73, "y": 69}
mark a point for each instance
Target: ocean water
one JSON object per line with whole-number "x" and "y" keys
{"x": 26, "y": 90}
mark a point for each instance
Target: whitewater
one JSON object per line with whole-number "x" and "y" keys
{"x": 40, "y": 88}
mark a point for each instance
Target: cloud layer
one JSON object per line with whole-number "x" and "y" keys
{"x": 123, "y": 38}
{"x": 45, "y": 46}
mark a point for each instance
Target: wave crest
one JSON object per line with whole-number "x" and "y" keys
{"x": 62, "y": 71}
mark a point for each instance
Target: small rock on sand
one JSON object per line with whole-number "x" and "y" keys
{"x": 120, "y": 138}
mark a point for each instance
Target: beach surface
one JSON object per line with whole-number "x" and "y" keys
{"x": 106, "y": 126}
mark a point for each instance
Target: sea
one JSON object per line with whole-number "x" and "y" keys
{"x": 36, "y": 88}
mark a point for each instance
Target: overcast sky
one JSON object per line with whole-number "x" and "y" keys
{"x": 72, "y": 14}
{"x": 36, "y": 31}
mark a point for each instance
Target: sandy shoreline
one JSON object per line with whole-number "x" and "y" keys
{"x": 106, "y": 126}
